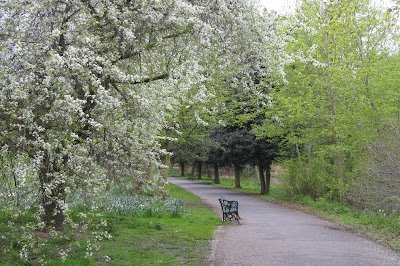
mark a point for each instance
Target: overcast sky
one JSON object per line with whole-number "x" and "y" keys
{"x": 281, "y": 6}
{"x": 284, "y": 6}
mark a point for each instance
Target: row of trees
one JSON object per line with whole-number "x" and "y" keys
{"x": 226, "y": 147}
{"x": 334, "y": 112}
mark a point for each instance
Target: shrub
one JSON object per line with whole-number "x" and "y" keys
{"x": 378, "y": 185}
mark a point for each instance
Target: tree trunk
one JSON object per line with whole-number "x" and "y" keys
{"x": 339, "y": 170}
{"x": 199, "y": 170}
{"x": 267, "y": 177}
{"x": 166, "y": 160}
{"x": 16, "y": 183}
{"x": 208, "y": 170}
{"x": 336, "y": 143}
{"x": 262, "y": 178}
{"x": 297, "y": 147}
{"x": 335, "y": 133}
{"x": 53, "y": 213}
{"x": 257, "y": 171}
{"x": 237, "y": 176}
{"x": 182, "y": 169}
{"x": 216, "y": 173}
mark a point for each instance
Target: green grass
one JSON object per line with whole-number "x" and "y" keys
{"x": 137, "y": 240}
{"x": 176, "y": 174}
{"x": 376, "y": 225}
{"x": 165, "y": 240}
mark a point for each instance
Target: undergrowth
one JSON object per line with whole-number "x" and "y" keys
{"x": 142, "y": 231}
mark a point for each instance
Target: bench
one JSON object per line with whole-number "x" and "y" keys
{"x": 230, "y": 209}
{"x": 192, "y": 177}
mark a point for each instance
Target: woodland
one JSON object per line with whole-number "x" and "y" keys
{"x": 99, "y": 97}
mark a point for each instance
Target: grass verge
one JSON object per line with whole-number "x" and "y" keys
{"x": 378, "y": 225}
{"x": 169, "y": 241}
{"x": 141, "y": 240}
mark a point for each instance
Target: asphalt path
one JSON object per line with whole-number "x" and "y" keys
{"x": 269, "y": 234}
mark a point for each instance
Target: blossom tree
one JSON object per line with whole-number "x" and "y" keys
{"x": 89, "y": 86}
{"x": 86, "y": 86}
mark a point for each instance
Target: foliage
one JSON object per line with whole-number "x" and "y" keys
{"x": 235, "y": 146}
{"x": 334, "y": 102}
{"x": 378, "y": 186}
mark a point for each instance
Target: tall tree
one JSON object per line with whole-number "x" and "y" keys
{"x": 264, "y": 153}
{"x": 327, "y": 109}
{"x": 87, "y": 86}
{"x": 235, "y": 148}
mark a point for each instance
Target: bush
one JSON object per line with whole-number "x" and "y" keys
{"x": 378, "y": 185}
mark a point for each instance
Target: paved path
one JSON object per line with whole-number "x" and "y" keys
{"x": 273, "y": 235}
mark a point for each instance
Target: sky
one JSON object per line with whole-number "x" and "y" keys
{"x": 285, "y": 6}
{"x": 280, "y": 6}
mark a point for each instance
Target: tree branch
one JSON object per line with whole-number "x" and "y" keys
{"x": 145, "y": 80}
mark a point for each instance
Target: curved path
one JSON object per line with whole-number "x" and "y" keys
{"x": 273, "y": 235}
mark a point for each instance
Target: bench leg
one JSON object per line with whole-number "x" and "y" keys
{"x": 237, "y": 218}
